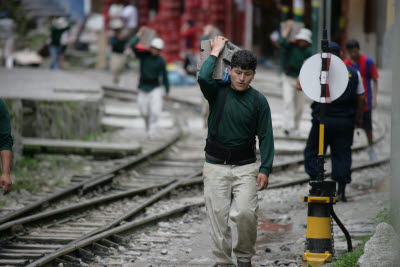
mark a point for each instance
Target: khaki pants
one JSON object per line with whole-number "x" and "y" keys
{"x": 117, "y": 65}
{"x": 293, "y": 101}
{"x": 226, "y": 187}
{"x": 150, "y": 106}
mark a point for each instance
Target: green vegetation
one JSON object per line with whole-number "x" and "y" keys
{"x": 2, "y": 203}
{"x": 349, "y": 259}
{"x": 35, "y": 174}
{"x": 385, "y": 215}
{"x": 16, "y": 12}
{"x": 36, "y": 41}
{"x": 96, "y": 136}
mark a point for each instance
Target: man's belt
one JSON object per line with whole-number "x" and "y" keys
{"x": 237, "y": 155}
{"x": 152, "y": 82}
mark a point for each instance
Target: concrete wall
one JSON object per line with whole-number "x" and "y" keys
{"x": 61, "y": 119}
{"x": 51, "y": 119}
{"x": 368, "y": 42}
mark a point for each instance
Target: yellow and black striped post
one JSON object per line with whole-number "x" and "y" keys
{"x": 319, "y": 246}
{"x": 319, "y": 240}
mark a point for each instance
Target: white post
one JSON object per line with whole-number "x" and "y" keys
{"x": 87, "y": 5}
{"x": 329, "y": 18}
{"x": 395, "y": 142}
{"x": 248, "y": 29}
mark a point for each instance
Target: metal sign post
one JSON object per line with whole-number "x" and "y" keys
{"x": 322, "y": 84}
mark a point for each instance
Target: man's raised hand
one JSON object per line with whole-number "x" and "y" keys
{"x": 217, "y": 45}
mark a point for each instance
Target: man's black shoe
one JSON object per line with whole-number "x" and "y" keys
{"x": 244, "y": 264}
{"x": 341, "y": 192}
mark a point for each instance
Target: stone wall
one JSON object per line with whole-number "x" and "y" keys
{"x": 15, "y": 110}
{"x": 61, "y": 119}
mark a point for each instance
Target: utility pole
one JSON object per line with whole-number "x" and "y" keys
{"x": 395, "y": 142}
{"x": 248, "y": 28}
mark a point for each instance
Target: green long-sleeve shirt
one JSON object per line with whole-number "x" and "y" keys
{"x": 118, "y": 45}
{"x": 292, "y": 57}
{"x": 6, "y": 141}
{"x": 152, "y": 68}
{"x": 235, "y": 126}
{"x": 55, "y": 34}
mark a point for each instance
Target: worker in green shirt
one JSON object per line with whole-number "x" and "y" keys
{"x": 118, "y": 42}
{"x": 238, "y": 113}
{"x": 6, "y": 143}
{"x": 153, "y": 71}
{"x": 293, "y": 57}
{"x": 57, "y": 28}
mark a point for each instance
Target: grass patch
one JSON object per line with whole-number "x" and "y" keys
{"x": 43, "y": 171}
{"x": 349, "y": 259}
{"x": 385, "y": 215}
{"x": 96, "y": 137}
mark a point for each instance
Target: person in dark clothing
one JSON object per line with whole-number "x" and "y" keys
{"x": 293, "y": 57}
{"x": 189, "y": 32}
{"x": 118, "y": 42}
{"x": 6, "y": 143}
{"x": 342, "y": 115}
{"x": 369, "y": 74}
{"x": 57, "y": 28}
{"x": 238, "y": 113}
{"x": 153, "y": 71}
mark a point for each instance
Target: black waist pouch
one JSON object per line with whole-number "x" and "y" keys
{"x": 237, "y": 155}
{"x": 152, "y": 82}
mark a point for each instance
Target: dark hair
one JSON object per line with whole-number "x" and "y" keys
{"x": 334, "y": 48}
{"x": 244, "y": 59}
{"x": 190, "y": 22}
{"x": 352, "y": 44}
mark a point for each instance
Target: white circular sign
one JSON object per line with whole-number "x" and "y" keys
{"x": 338, "y": 77}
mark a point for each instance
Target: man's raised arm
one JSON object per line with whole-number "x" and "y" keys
{"x": 207, "y": 84}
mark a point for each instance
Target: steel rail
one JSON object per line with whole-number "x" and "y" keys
{"x": 92, "y": 182}
{"x": 170, "y": 185}
{"x": 112, "y": 228}
{"x": 116, "y": 230}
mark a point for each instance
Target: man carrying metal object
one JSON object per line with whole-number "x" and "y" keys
{"x": 238, "y": 113}
{"x": 294, "y": 56}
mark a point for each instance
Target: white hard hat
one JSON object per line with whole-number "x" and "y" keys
{"x": 304, "y": 34}
{"x": 116, "y": 24}
{"x": 61, "y": 23}
{"x": 157, "y": 43}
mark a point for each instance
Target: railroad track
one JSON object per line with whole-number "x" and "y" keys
{"x": 93, "y": 227}
{"x": 125, "y": 199}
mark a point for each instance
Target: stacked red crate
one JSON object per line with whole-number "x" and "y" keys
{"x": 194, "y": 11}
{"x": 167, "y": 24}
{"x": 217, "y": 16}
{"x": 143, "y": 7}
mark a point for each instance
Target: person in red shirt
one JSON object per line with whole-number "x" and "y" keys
{"x": 189, "y": 32}
{"x": 369, "y": 73}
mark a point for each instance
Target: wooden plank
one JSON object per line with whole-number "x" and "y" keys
{"x": 30, "y": 246}
{"x": 29, "y": 251}
{"x": 100, "y": 248}
{"x": 11, "y": 262}
{"x": 20, "y": 256}
{"x": 80, "y": 147}
{"x": 45, "y": 239}
{"x": 85, "y": 254}
{"x": 65, "y": 231}
{"x": 109, "y": 243}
